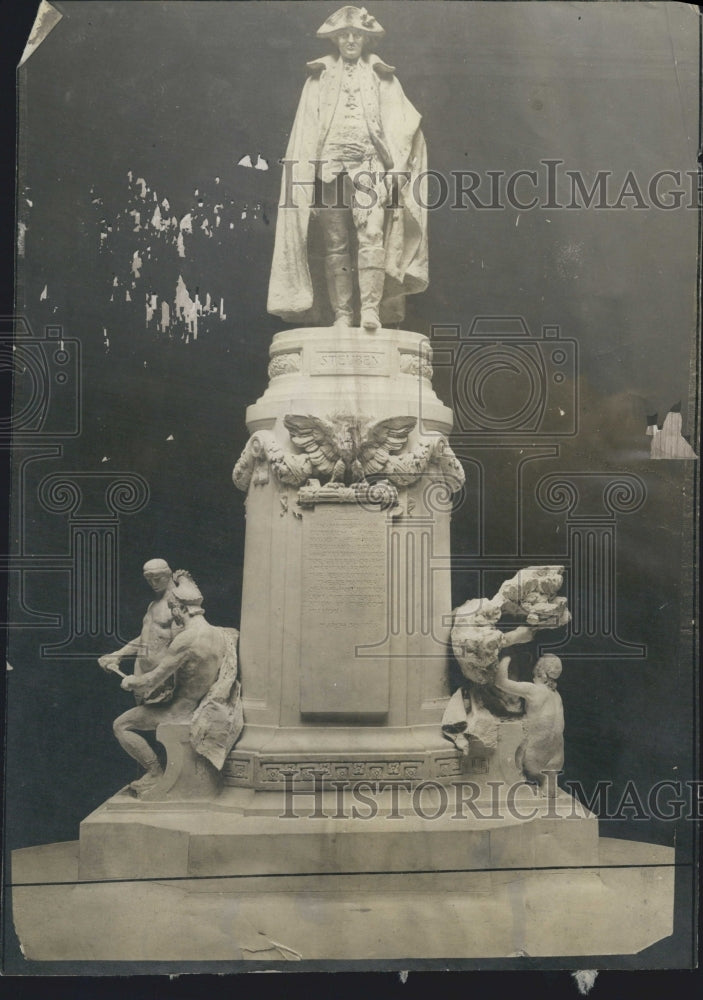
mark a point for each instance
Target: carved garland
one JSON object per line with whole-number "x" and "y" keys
{"x": 263, "y": 454}
{"x": 414, "y": 364}
{"x": 284, "y": 364}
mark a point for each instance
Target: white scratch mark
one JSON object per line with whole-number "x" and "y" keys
{"x": 30, "y": 203}
{"x": 585, "y": 978}
{"x": 44, "y": 294}
{"x": 21, "y": 233}
{"x": 261, "y": 163}
{"x": 517, "y": 222}
{"x": 157, "y": 221}
{"x": 105, "y": 459}
{"x": 151, "y": 304}
{"x": 562, "y": 413}
{"x": 290, "y": 951}
{"x": 170, "y": 437}
{"x": 403, "y": 976}
{"x": 245, "y": 161}
{"x": 8, "y": 665}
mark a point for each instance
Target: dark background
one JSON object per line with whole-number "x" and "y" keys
{"x": 179, "y": 93}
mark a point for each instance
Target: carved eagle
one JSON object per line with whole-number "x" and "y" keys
{"x": 348, "y": 448}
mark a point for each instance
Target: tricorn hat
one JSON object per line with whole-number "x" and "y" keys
{"x": 356, "y": 18}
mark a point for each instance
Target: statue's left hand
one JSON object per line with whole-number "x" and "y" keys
{"x": 130, "y": 683}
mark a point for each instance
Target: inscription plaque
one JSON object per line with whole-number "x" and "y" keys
{"x": 350, "y": 362}
{"x": 344, "y": 605}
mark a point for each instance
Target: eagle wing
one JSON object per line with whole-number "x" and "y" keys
{"x": 383, "y": 439}
{"x": 316, "y": 437}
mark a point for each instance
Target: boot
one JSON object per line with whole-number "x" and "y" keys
{"x": 339, "y": 288}
{"x": 372, "y": 277}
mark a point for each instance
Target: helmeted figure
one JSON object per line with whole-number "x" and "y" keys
{"x": 356, "y": 168}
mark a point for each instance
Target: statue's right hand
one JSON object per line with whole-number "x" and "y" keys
{"x": 109, "y": 663}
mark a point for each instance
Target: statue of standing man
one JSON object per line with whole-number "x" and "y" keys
{"x": 353, "y": 195}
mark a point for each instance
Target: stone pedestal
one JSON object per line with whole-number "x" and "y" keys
{"x": 346, "y": 597}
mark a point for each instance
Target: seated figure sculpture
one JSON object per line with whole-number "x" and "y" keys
{"x": 202, "y": 661}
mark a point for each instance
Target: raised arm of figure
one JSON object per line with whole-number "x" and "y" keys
{"x": 522, "y": 689}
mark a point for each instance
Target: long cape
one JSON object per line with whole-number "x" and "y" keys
{"x": 297, "y": 287}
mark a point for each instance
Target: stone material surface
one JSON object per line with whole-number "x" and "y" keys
{"x": 412, "y": 754}
{"x": 402, "y": 831}
{"x": 346, "y": 590}
{"x": 352, "y": 372}
{"x": 618, "y": 907}
{"x": 343, "y": 606}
